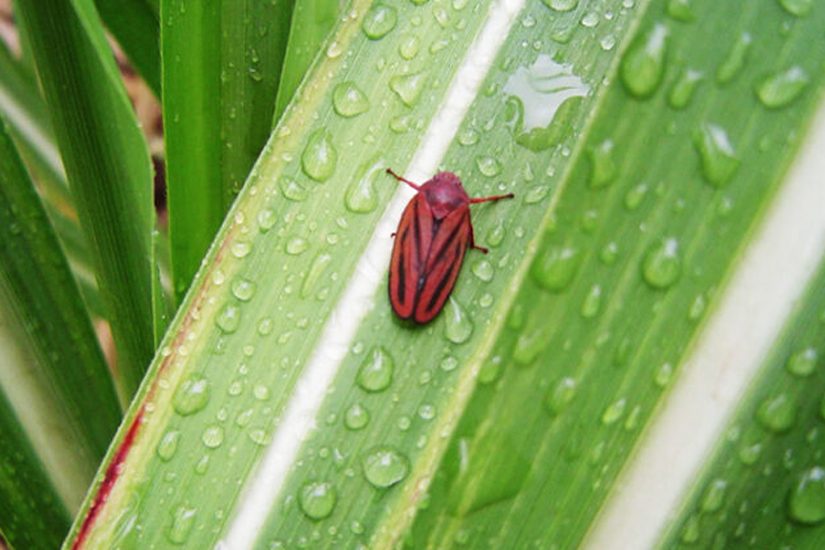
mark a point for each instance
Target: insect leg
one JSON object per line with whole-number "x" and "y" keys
{"x": 473, "y": 242}
{"x": 399, "y": 178}
{"x": 491, "y": 199}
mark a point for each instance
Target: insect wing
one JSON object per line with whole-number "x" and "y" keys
{"x": 413, "y": 240}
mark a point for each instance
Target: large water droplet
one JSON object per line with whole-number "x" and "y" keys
{"x": 379, "y": 21}
{"x": 212, "y": 436}
{"x": 802, "y": 363}
{"x": 316, "y": 270}
{"x": 777, "y": 413}
{"x": 191, "y": 396}
{"x": 683, "y": 89}
{"x": 807, "y": 502}
{"x": 361, "y": 196}
{"x": 662, "y": 266}
{"x": 717, "y": 154}
{"x": 603, "y": 164}
{"x": 243, "y": 289}
{"x": 384, "y": 467}
{"x": 542, "y": 102}
{"x": 229, "y": 318}
{"x": 408, "y": 87}
{"x": 561, "y": 5}
{"x": 555, "y": 269}
{"x": 560, "y": 396}
{"x": 484, "y": 270}
{"x": 782, "y": 88}
{"x": 800, "y": 8}
{"x": 714, "y": 495}
{"x": 735, "y": 60}
{"x": 348, "y": 100}
{"x": 356, "y": 417}
{"x": 319, "y": 157}
{"x": 643, "y": 65}
{"x": 183, "y": 519}
{"x": 375, "y": 372}
{"x": 458, "y": 326}
{"x": 317, "y": 499}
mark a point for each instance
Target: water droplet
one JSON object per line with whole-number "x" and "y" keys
{"x": 683, "y": 89}
{"x": 449, "y": 363}
{"x": 592, "y": 302}
{"x": 560, "y": 396}
{"x": 681, "y": 10}
{"x": 536, "y": 194}
{"x": 319, "y": 157}
{"x": 241, "y": 249}
{"x": 807, "y": 501}
{"x": 561, "y": 5}
{"x": 409, "y": 47}
{"x": 457, "y": 327}
{"x": 663, "y": 375}
{"x": 361, "y": 196}
{"x": 212, "y": 436}
{"x": 296, "y": 245}
{"x": 483, "y": 270}
{"x": 183, "y": 519}
{"x": 488, "y": 166}
{"x": 802, "y": 363}
{"x": 691, "y": 532}
{"x": 266, "y": 220}
{"x": 697, "y": 308}
{"x": 191, "y": 396}
{"x": 542, "y": 102}
{"x": 348, "y": 100}
{"x": 555, "y": 269}
{"x": 379, "y": 21}
{"x": 168, "y": 445}
{"x": 356, "y": 417}
{"x": 643, "y": 65}
{"x": 317, "y": 499}
{"x": 735, "y": 60}
{"x": 782, "y": 88}
{"x": 602, "y": 163}
{"x": 614, "y": 412}
{"x": 376, "y": 371}
{"x": 799, "y": 8}
{"x": 228, "y": 319}
{"x": 316, "y": 270}
{"x": 777, "y": 413}
{"x": 408, "y": 87}
{"x": 293, "y": 190}
{"x": 243, "y": 289}
{"x": 717, "y": 153}
{"x": 634, "y": 197}
{"x": 384, "y": 467}
{"x": 662, "y": 266}
{"x": 609, "y": 253}
{"x": 495, "y": 236}
{"x": 714, "y": 495}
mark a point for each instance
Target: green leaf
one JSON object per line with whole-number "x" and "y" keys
{"x": 221, "y": 72}
{"x": 58, "y": 408}
{"x": 134, "y": 23}
{"x": 312, "y": 21}
{"x": 107, "y": 165}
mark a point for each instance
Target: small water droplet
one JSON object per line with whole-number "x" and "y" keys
{"x": 266, "y": 220}
{"x": 356, "y": 417}
{"x": 409, "y": 47}
{"x": 683, "y": 89}
{"x": 376, "y": 371}
{"x": 609, "y": 253}
{"x": 488, "y": 166}
{"x": 560, "y": 396}
{"x": 614, "y": 411}
{"x": 634, "y": 197}
{"x": 348, "y": 100}
{"x": 296, "y": 245}
{"x": 643, "y": 65}
{"x": 592, "y": 304}
{"x": 691, "y": 531}
{"x": 717, "y": 153}
{"x": 782, "y": 88}
{"x": 697, "y": 308}
{"x": 317, "y": 499}
{"x": 191, "y": 395}
{"x": 457, "y": 327}
{"x": 777, "y": 413}
{"x": 183, "y": 519}
{"x": 681, "y": 10}
{"x": 663, "y": 375}
{"x": 602, "y": 163}
{"x": 293, "y": 190}
{"x": 483, "y": 270}
{"x": 243, "y": 289}
{"x": 714, "y": 495}
{"x": 662, "y": 266}
{"x": 408, "y": 87}
{"x": 449, "y": 363}
{"x": 555, "y": 269}
{"x": 319, "y": 157}
{"x": 468, "y": 137}
{"x": 561, "y": 5}
{"x": 316, "y": 271}
{"x": 384, "y": 467}
{"x": 168, "y": 445}
{"x": 495, "y": 235}
{"x": 212, "y": 436}
{"x": 536, "y": 194}
{"x": 803, "y": 362}
{"x": 229, "y": 318}
{"x": 799, "y": 8}
{"x": 735, "y": 60}
{"x": 379, "y": 21}
{"x": 807, "y": 501}
{"x": 361, "y": 196}
{"x": 241, "y": 249}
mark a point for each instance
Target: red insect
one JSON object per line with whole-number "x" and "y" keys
{"x": 433, "y": 235}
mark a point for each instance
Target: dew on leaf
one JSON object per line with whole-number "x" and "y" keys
{"x": 735, "y": 60}
{"x": 361, "y": 196}
{"x": 777, "y": 413}
{"x": 799, "y": 8}
{"x": 191, "y": 395}
{"x": 555, "y": 269}
{"x": 662, "y": 264}
{"x": 356, "y": 417}
{"x": 376, "y": 371}
{"x": 320, "y": 157}
{"x": 782, "y": 88}
{"x": 684, "y": 88}
{"x": 317, "y": 499}
{"x": 717, "y": 154}
{"x": 183, "y": 519}
{"x": 458, "y": 327}
{"x": 384, "y": 467}
{"x": 603, "y": 165}
{"x": 348, "y": 100}
{"x": 408, "y": 87}
{"x": 807, "y": 500}
{"x": 802, "y": 363}
{"x": 560, "y": 395}
{"x": 643, "y": 65}
{"x": 379, "y": 21}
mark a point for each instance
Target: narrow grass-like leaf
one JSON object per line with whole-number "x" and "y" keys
{"x": 134, "y": 24}
{"x": 312, "y": 21}
{"x": 107, "y": 164}
{"x": 55, "y": 388}
{"x": 233, "y": 354}
{"x": 765, "y": 484}
{"x": 222, "y": 65}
